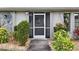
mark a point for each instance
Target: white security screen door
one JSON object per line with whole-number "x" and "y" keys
{"x": 39, "y": 25}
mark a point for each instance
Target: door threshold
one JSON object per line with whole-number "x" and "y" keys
{"x": 39, "y": 38}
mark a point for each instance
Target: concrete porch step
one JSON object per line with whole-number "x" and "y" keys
{"x": 39, "y": 45}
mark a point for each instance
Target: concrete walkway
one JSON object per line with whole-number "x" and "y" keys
{"x": 39, "y": 45}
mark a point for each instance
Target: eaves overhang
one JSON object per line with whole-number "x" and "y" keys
{"x": 41, "y": 9}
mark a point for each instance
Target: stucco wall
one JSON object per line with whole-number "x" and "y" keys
{"x": 55, "y": 17}
{"x": 72, "y": 24}
{"x": 20, "y": 16}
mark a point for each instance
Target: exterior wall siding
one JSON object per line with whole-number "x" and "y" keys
{"x": 51, "y": 25}
{"x": 20, "y": 16}
{"x": 13, "y": 20}
{"x": 72, "y": 24}
{"x": 55, "y": 17}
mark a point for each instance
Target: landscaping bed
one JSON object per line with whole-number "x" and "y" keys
{"x": 75, "y": 42}
{"x": 61, "y": 39}
{"x": 18, "y": 40}
{"x": 10, "y": 46}
{"x": 50, "y": 45}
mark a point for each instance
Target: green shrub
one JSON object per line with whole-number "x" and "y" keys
{"x": 22, "y": 32}
{"x": 15, "y": 34}
{"x": 15, "y": 28}
{"x": 3, "y": 35}
{"x": 60, "y": 26}
{"x": 62, "y": 41}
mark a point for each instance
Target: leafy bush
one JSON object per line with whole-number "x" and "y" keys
{"x": 62, "y": 41}
{"x": 3, "y": 35}
{"x": 60, "y": 26}
{"x": 15, "y": 28}
{"x": 22, "y": 32}
{"x": 15, "y": 34}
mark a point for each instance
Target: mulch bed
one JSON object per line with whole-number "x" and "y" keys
{"x": 13, "y": 46}
{"x": 76, "y": 43}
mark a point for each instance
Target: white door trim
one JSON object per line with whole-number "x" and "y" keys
{"x": 39, "y": 36}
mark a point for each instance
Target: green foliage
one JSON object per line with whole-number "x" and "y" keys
{"x": 62, "y": 41}
{"x": 15, "y": 28}
{"x": 22, "y": 32}
{"x": 3, "y": 35}
{"x": 15, "y": 34}
{"x": 60, "y": 26}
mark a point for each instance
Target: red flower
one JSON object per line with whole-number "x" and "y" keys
{"x": 76, "y": 31}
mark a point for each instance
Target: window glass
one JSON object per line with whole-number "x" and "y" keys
{"x": 39, "y": 31}
{"x": 76, "y": 19}
{"x": 39, "y": 20}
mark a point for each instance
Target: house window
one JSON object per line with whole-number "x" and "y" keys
{"x": 76, "y": 20}
{"x": 67, "y": 20}
{"x": 6, "y": 20}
